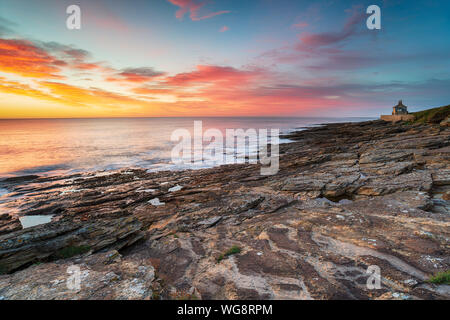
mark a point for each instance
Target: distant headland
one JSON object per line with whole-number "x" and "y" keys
{"x": 435, "y": 115}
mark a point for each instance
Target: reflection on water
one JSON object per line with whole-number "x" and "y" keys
{"x": 73, "y": 145}
{"x": 31, "y": 221}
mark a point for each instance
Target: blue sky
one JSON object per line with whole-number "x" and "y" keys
{"x": 229, "y": 57}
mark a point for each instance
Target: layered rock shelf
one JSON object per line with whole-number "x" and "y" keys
{"x": 346, "y": 197}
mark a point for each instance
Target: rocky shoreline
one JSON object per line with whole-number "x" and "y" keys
{"x": 347, "y": 196}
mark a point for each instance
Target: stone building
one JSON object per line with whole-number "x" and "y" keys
{"x": 399, "y": 113}
{"x": 400, "y": 108}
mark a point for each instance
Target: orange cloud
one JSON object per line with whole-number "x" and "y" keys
{"x": 26, "y": 59}
{"x": 208, "y": 90}
{"x": 14, "y": 87}
{"x": 86, "y": 66}
{"x": 73, "y": 95}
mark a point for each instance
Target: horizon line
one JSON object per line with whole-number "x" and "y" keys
{"x": 186, "y": 117}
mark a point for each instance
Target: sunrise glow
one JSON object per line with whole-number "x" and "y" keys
{"x": 219, "y": 58}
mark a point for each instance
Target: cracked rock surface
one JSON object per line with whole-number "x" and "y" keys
{"x": 346, "y": 197}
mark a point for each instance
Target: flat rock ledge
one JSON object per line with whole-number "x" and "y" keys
{"x": 347, "y": 197}
{"x": 59, "y": 239}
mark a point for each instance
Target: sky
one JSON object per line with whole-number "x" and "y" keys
{"x": 175, "y": 58}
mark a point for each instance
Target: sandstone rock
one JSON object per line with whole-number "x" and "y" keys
{"x": 100, "y": 278}
{"x": 9, "y": 224}
{"x": 56, "y": 239}
{"x": 347, "y": 196}
{"x": 380, "y": 185}
{"x": 446, "y": 122}
{"x": 208, "y": 223}
{"x": 385, "y": 155}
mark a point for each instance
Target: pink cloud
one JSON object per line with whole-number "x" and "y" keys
{"x": 224, "y": 29}
{"x": 325, "y": 50}
{"x": 215, "y": 74}
{"x": 315, "y": 40}
{"x": 193, "y": 7}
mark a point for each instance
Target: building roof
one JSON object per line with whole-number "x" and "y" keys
{"x": 400, "y": 104}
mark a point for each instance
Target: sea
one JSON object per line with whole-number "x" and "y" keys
{"x": 48, "y": 147}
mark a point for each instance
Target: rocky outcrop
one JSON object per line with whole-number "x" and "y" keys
{"x": 9, "y": 224}
{"x": 64, "y": 238}
{"x": 102, "y": 276}
{"x": 346, "y": 197}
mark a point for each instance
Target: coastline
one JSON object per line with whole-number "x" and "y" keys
{"x": 347, "y": 196}
{"x": 69, "y": 146}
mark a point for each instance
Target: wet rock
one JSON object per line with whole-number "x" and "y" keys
{"x": 9, "y": 224}
{"x": 347, "y": 196}
{"x": 59, "y": 239}
{"x": 20, "y": 179}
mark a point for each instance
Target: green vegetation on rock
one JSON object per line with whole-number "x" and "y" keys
{"x": 229, "y": 252}
{"x": 440, "y": 278}
{"x": 435, "y": 115}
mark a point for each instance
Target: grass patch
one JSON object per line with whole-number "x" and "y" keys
{"x": 435, "y": 115}
{"x": 440, "y": 278}
{"x": 229, "y": 252}
{"x": 233, "y": 250}
{"x": 72, "y": 251}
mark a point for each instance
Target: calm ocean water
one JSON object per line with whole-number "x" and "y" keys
{"x": 59, "y": 146}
